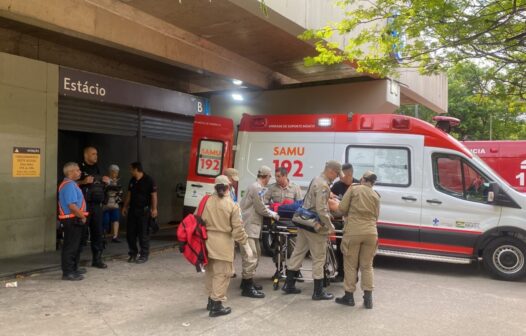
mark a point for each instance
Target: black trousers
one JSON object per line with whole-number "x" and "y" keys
{"x": 74, "y": 230}
{"x": 95, "y": 228}
{"x": 137, "y": 229}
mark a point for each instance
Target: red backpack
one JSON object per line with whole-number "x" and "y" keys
{"x": 191, "y": 233}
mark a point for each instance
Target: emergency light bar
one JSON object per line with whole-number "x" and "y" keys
{"x": 401, "y": 123}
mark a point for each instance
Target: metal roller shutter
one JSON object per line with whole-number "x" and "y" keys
{"x": 96, "y": 117}
{"x": 161, "y": 127}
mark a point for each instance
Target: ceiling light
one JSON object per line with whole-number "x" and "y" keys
{"x": 237, "y": 97}
{"x": 237, "y": 82}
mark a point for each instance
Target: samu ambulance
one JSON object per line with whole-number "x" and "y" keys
{"x": 439, "y": 202}
{"x": 508, "y": 158}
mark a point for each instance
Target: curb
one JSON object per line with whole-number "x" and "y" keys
{"x": 24, "y": 274}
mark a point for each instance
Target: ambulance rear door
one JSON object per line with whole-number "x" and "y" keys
{"x": 211, "y": 153}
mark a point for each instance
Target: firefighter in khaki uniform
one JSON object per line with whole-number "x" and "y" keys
{"x": 316, "y": 200}
{"x": 223, "y": 225}
{"x": 283, "y": 189}
{"x": 360, "y": 206}
{"x": 253, "y": 210}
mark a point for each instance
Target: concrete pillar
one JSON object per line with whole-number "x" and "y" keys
{"x": 28, "y": 118}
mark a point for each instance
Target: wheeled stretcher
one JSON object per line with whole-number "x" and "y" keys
{"x": 282, "y": 234}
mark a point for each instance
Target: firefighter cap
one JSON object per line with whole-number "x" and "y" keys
{"x": 264, "y": 171}
{"x": 334, "y": 165}
{"x": 369, "y": 176}
{"x": 222, "y": 179}
{"x": 232, "y": 173}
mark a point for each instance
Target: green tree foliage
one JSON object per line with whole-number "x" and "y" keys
{"x": 469, "y": 102}
{"x": 432, "y": 35}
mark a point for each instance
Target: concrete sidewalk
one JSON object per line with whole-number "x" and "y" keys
{"x": 11, "y": 268}
{"x": 165, "y": 296}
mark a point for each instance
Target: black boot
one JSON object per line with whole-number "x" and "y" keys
{"x": 80, "y": 270}
{"x": 299, "y": 277}
{"x": 217, "y": 309}
{"x": 97, "y": 261}
{"x": 256, "y": 286}
{"x": 290, "y": 283}
{"x": 209, "y": 304}
{"x": 319, "y": 293}
{"x": 248, "y": 289}
{"x": 368, "y": 299}
{"x": 347, "y": 299}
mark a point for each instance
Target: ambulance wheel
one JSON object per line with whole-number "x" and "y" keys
{"x": 505, "y": 258}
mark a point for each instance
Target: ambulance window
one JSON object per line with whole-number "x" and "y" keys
{"x": 456, "y": 177}
{"x": 210, "y": 158}
{"x": 448, "y": 175}
{"x": 391, "y": 164}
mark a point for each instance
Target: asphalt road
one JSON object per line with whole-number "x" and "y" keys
{"x": 166, "y": 297}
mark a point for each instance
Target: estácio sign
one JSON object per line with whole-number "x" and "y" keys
{"x": 87, "y": 85}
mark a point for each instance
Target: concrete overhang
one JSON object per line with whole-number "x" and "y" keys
{"x": 429, "y": 91}
{"x": 270, "y": 39}
{"x": 206, "y": 42}
{"x": 241, "y": 26}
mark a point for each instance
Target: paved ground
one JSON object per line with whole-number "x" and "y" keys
{"x": 165, "y": 297}
{"x": 28, "y": 264}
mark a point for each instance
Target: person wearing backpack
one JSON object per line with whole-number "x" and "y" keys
{"x": 222, "y": 218}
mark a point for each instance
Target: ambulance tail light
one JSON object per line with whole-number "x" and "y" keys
{"x": 325, "y": 122}
{"x": 401, "y": 123}
{"x": 259, "y": 122}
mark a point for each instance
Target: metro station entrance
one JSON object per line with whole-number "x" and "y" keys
{"x": 131, "y": 122}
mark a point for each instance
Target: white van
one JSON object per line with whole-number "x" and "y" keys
{"x": 439, "y": 202}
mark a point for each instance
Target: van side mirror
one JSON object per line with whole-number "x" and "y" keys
{"x": 497, "y": 196}
{"x": 494, "y": 190}
{"x": 491, "y": 197}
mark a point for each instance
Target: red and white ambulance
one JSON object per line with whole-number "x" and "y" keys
{"x": 508, "y": 158}
{"x": 439, "y": 201}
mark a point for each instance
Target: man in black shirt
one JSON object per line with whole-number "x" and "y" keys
{"x": 92, "y": 184}
{"x": 338, "y": 189}
{"x": 139, "y": 205}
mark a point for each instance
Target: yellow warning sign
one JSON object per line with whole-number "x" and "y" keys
{"x": 26, "y": 162}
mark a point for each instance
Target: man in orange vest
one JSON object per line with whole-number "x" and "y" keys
{"x": 72, "y": 214}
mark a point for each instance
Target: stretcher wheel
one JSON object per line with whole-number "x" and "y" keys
{"x": 275, "y": 283}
